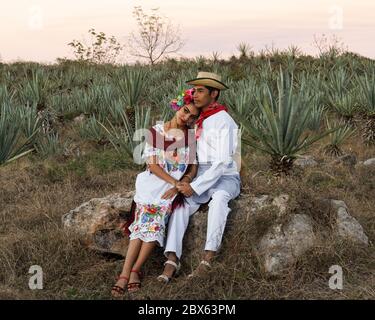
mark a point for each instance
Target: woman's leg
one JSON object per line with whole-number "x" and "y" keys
{"x": 144, "y": 254}
{"x": 131, "y": 256}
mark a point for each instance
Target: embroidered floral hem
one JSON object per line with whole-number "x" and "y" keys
{"x": 150, "y": 222}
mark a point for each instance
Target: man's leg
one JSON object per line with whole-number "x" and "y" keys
{"x": 217, "y": 218}
{"x": 177, "y": 225}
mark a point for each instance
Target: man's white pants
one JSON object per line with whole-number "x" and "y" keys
{"x": 217, "y": 218}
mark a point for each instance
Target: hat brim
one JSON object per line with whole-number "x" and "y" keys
{"x": 208, "y": 82}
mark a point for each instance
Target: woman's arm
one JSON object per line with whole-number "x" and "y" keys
{"x": 190, "y": 173}
{"x": 159, "y": 172}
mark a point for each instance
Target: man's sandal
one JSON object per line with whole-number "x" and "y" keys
{"x": 166, "y": 279}
{"x": 194, "y": 273}
{"x": 135, "y": 286}
{"x": 118, "y": 289}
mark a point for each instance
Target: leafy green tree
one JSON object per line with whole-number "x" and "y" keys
{"x": 102, "y": 49}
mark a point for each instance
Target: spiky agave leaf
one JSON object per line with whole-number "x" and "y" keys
{"x": 13, "y": 144}
{"x": 342, "y": 131}
{"x": 280, "y": 129}
{"x": 122, "y": 137}
{"x": 367, "y": 93}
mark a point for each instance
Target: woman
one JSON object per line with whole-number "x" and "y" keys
{"x": 170, "y": 155}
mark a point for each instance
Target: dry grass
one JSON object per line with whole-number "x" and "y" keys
{"x": 34, "y": 194}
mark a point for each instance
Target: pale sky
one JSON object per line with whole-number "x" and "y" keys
{"x": 39, "y": 30}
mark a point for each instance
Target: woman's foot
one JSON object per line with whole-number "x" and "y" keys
{"x": 134, "y": 281}
{"x": 118, "y": 289}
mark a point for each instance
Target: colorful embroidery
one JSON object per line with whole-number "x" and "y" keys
{"x": 150, "y": 221}
{"x": 170, "y": 161}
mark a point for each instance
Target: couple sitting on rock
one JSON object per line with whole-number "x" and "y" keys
{"x": 185, "y": 168}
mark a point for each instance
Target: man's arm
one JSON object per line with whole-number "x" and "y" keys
{"x": 220, "y": 138}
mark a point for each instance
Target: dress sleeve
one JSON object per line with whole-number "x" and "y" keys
{"x": 150, "y": 151}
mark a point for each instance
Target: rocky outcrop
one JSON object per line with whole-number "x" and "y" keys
{"x": 347, "y": 226}
{"x": 288, "y": 237}
{"x": 369, "y": 162}
{"x": 280, "y": 247}
{"x": 98, "y": 222}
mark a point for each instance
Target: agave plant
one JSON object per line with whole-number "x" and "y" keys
{"x": 280, "y": 128}
{"x": 63, "y": 104}
{"x": 244, "y": 50}
{"x": 122, "y": 138}
{"x": 367, "y": 93}
{"x": 131, "y": 84}
{"x": 35, "y": 89}
{"x": 341, "y": 92}
{"x": 83, "y": 101}
{"x": 32, "y": 122}
{"x": 13, "y": 143}
{"x": 345, "y": 105}
{"x": 92, "y": 130}
{"x": 316, "y": 116}
{"x": 5, "y": 95}
{"x": 339, "y": 81}
{"x": 49, "y": 145}
{"x": 242, "y": 99}
{"x": 342, "y": 131}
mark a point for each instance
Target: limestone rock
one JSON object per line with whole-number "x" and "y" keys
{"x": 369, "y": 162}
{"x": 98, "y": 222}
{"x": 305, "y": 162}
{"x": 346, "y": 225}
{"x": 79, "y": 119}
{"x": 280, "y": 247}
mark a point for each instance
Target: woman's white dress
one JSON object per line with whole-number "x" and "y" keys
{"x": 152, "y": 212}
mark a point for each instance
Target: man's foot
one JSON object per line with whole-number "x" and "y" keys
{"x": 118, "y": 289}
{"x": 201, "y": 271}
{"x": 171, "y": 268}
{"x": 134, "y": 281}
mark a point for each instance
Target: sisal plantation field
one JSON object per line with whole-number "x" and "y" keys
{"x": 66, "y": 136}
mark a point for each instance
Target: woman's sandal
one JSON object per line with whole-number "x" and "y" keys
{"x": 135, "y": 286}
{"x": 166, "y": 279}
{"x": 118, "y": 289}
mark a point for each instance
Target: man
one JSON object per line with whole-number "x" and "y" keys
{"x": 217, "y": 179}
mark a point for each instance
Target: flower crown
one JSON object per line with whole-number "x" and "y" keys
{"x": 184, "y": 98}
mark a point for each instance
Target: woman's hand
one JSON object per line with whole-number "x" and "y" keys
{"x": 169, "y": 194}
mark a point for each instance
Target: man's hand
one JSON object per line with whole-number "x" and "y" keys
{"x": 169, "y": 194}
{"x": 185, "y": 189}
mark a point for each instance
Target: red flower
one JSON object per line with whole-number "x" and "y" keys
{"x": 187, "y": 99}
{"x": 152, "y": 210}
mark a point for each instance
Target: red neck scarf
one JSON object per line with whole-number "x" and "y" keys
{"x": 212, "y": 109}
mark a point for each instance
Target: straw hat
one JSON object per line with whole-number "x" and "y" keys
{"x": 208, "y": 79}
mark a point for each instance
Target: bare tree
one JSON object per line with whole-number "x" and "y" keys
{"x": 333, "y": 46}
{"x": 156, "y": 36}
